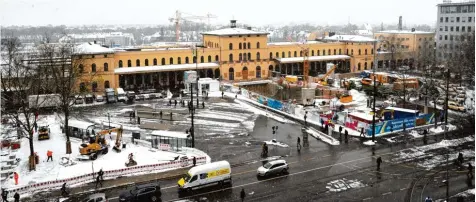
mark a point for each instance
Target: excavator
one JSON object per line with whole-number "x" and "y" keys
{"x": 98, "y": 145}
{"x": 323, "y": 81}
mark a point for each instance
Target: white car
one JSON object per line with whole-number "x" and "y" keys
{"x": 273, "y": 167}
{"x": 96, "y": 198}
{"x": 99, "y": 98}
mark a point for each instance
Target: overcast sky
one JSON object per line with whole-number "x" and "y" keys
{"x": 252, "y": 12}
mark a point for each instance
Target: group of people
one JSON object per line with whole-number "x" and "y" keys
{"x": 16, "y": 196}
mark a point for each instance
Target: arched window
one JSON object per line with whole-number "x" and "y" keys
{"x": 244, "y": 56}
{"x": 171, "y": 61}
{"x": 318, "y": 52}
{"x": 282, "y": 55}
{"x": 94, "y": 86}
{"x": 239, "y": 46}
{"x": 257, "y": 56}
{"x": 249, "y": 56}
{"x": 372, "y": 51}
{"x": 365, "y": 51}
{"x": 335, "y": 52}
{"x": 277, "y": 55}
{"x": 106, "y": 67}
{"x": 358, "y": 66}
{"x": 231, "y": 72}
{"x": 217, "y": 58}
{"x": 230, "y": 57}
{"x": 106, "y": 84}
{"x": 257, "y": 45}
{"x": 324, "y": 52}
{"x": 249, "y": 45}
{"x": 186, "y": 60}
{"x": 146, "y": 62}
{"x": 352, "y": 52}
{"x": 244, "y": 45}
{"x": 312, "y": 53}
{"x": 347, "y": 51}
{"x": 155, "y": 61}
{"x": 230, "y": 46}
{"x": 289, "y": 54}
{"x": 93, "y": 67}
{"x": 300, "y": 53}
{"x": 194, "y": 59}
{"x": 295, "y": 53}
{"x": 179, "y": 60}
{"x": 258, "y": 72}
{"x": 163, "y": 61}
{"x": 329, "y": 52}
{"x": 360, "y": 52}
{"x": 270, "y": 68}
{"x": 240, "y": 57}
{"x": 340, "y": 51}
{"x": 138, "y": 63}
{"x": 120, "y": 63}
{"x": 129, "y": 63}
{"x": 82, "y": 87}
{"x": 270, "y": 55}
{"x": 371, "y": 65}
{"x": 209, "y": 58}
{"x": 365, "y": 65}
{"x": 202, "y": 59}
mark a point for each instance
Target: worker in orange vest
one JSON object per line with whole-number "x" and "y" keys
{"x": 15, "y": 176}
{"x": 50, "y": 155}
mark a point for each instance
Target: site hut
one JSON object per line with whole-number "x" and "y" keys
{"x": 80, "y": 129}
{"x": 170, "y": 140}
{"x": 208, "y": 85}
{"x": 358, "y": 120}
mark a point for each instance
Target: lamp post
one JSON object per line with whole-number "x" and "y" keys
{"x": 196, "y": 69}
{"x": 446, "y": 130}
{"x": 109, "y": 119}
{"x": 375, "y": 92}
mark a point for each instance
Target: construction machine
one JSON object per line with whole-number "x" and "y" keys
{"x": 323, "y": 80}
{"x": 98, "y": 144}
{"x": 44, "y": 133}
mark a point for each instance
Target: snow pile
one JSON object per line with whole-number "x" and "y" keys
{"x": 415, "y": 134}
{"x": 344, "y": 184}
{"x": 326, "y": 138}
{"x": 438, "y": 129}
{"x": 264, "y": 113}
{"x": 391, "y": 140}
{"x": 369, "y": 142}
{"x": 469, "y": 192}
{"x": 274, "y": 142}
{"x": 437, "y": 160}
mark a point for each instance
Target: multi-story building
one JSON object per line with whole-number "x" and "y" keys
{"x": 113, "y": 39}
{"x": 455, "y": 24}
{"x": 232, "y": 54}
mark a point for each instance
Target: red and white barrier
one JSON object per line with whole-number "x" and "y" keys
{"x": 108, "y": 174}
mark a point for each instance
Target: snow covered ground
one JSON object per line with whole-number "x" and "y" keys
{"x": 274, "y": 142}
{"x": 47, "y": 171}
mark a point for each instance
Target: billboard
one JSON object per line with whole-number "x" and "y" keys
{"x": 397, "y": 124}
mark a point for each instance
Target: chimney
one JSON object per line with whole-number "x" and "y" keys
{"x": 233, "y": 23}
{"x": 249, "y": 28}
{"x": 400, "y": 23}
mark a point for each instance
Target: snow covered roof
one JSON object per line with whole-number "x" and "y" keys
{"x": 91, "y": 48}
{"x": 79, "y": 124}
{"x": 350, "y": 38}
{"x": 402, "y": 110}
{"x": 313, "y": 58}
{"x": 253, "y": 82}
{"x": 233, "y": 31}
{"x": 404, "y": 32}
{"x": 174, "y": 134}
{"x": 164, "y": 68}
{"x": 292, "y": 43}
{"x": 361, "y": 115}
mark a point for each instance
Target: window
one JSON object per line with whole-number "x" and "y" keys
{"x": 365, "y": 51}
{"x": 163, "y": 61}
{"x": 258, "y": 72}
{"x": 249, "y": 45}
{"x": 257, "y": 45}
{"x": 239, "y": 46}
{"x": 289, "y": 54}
{"x": 463, "y": 28}
{"x": 358, "y": 66}
{"x": 240, "y": 57}
{"x": 202, "y": 59}
{"x": 146, "y": 62}
{"x": 217, "y": 58}
{"x": 283, "y": 55}
{"x": 194, "y": 59}
{"x": 257, "y": 56}
{"x": 106, "y": 67}
{"x": 471, "y": 9}
{"x": 120, "y": 63}
{"x": 441, "y": 19}
{"x": 446, "y": 28}
{"x": 209, "y": 58}
{"x": 340, "y": 51}
{"x": 94, "y": 86}
{"x": 155, "y": 61}
{"x": 470, "y": 19}
{"x": 462, "y": 37}
{"x": 270, "y": 55}
{"x": 312, "y": 53}
{"x": 249, "y": 56}
{"x": 230, "y": 46}
{"x": 129, "y": 63}
{"x": 372, "y": 51}
{"x": 171, "y": 61}
{"x": 446, "y": 20}
{"x": 441, "y": 37}
{"x": 451, "y": 28}
{"x": 193, "y": 178}
{"x": 106, "y": 84}
{"x": 352, "y": 52}
{"x": 464, "y": 9}
{"x": 203, "y": 175}
{"x": 469, "y": 28}
{"x": 82, "y": 87}
{"x": 365, "y": 65}
{"x": 452, "y": 19}
{"x": 230, "y": 57}
{"x": 360, "y": 52}
{"x": 446, "y": 37}
{"x": 93, "y": 67}
{"x": 295, "y": 53}
{"x": 329, "y": 51}
{"x": 138, "y": 63}
{"x": 277, "y": 55}
{"x": 323, "y": 52}
{"x": 186, "y": 60}
{"x": 457, "y": 19}
{"x": 335, "y": 52}
{"x": 463, "y": 19}
{"x": 244, "y": 45}
{"x": 179, "y": 60}
{"x": 300, "y": 53}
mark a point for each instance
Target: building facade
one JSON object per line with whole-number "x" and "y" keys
{"x": 455, "y": 24}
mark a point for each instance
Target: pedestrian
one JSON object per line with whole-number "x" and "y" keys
{"x": 428, "y": 199}
{"x": 425, "y": 137}
{"x": 98, "y": 181}
{"x": 242, "y": 194}
{"x": 4, "y": 195}
{"x": 160, "y": 114}
{"x": 345, "y": 135}
{"x": 49, "y": 153}
{"x": 305, "y": 119}
{"x": 460, "y": 158}
{"x": 340, "y": 130}
{"x": 16, "y": 197}
{"x": 101, "y": 174}
{"x": 63, "y": 190}
{"x": 175, "y": 103}
{"x": 326, "y": 129}
{"x": 373, "y": 150}
{"x": 203, "y": 104}
{"x": 15, "y": 176}
{"x": 222, "y": 94}
{"x": 171, "y": 116}
{"x": 36, "y": 126}
{"x": 236, "y": 95}
{"x": 322, "y": 122}
{"x": 379, "y": 161}
{"x": 362, "y": 132}
{"x": 470, "y": 171}
{"x": 314, "y": 103}
{"x": 194, "y": 161}
{"x": 186, "y": 131}
{"x": 299, "y": 144}
{"x": 170, "y": 102}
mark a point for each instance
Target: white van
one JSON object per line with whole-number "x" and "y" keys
{"x": 121, "y": 95}
{"x": 206, "y": 175}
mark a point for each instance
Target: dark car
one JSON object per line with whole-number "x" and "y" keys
{"x": 147, "y": 192}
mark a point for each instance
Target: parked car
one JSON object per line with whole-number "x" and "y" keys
{"x": 79, "y": 100}
{"x": 146, "y": 192}
{"x": 99, "y": 98}
{"x": 89, "y": 99}
{"x": 454, "y": 106}
{"x": 273, "y": 167}
{"x": 98, "y": 197}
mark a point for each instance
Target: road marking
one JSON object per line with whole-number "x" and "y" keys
{"x": 367, "y": 198}
{"x": 243, "y": 172}
{"x": 386, "y": 193}
{"x": 403, "y": 189}
{"x": 112, "y": 198}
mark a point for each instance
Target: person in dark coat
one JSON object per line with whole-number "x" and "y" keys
{"x": 101, "y": 174}
{"x": 299, "y": 144}
{"x": 425, "y": 137}
{"x": 326, "y": 129}
{"x": 305, "y": 119}
{"x": 4, "y": 194}
{"x": 470, "y": 171}
{"x": 346, "y": 134}
{"x": 242, "y": 194}
{"x": 222, "y": 94}
{"x": 203, "y": 104}
{"x": 175, "y": 103}
{"x": 194, "y": 161}
{"x": 460, "y": 158}
{"x": 170, "y": 102}
{"x": 98, "y": 181}
{"x": 362, "y": 132}
{"x": 379, "y": 161}
{"x": 16, "y": 197}
{"x": 160, "y": 114}
{"x": 171, "y": 116}
{"x": 36, "y": 126}
{"x": 63, "y": 190}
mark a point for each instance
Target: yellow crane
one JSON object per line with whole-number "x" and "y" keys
{"x": 178, "y": 19}
{"x": 305, "y": 53}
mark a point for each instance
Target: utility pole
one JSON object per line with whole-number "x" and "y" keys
{"x": 375, "y": 92}
{"x": 192, "y": 133}
{"x": 196, "y": 69}
{"x": 446, "y": 130}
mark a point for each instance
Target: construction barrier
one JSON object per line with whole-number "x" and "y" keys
{"x": 108, "y": 174}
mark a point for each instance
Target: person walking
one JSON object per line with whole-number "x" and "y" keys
{"x": 16, "y": 197}
{"x": 194, "y": 161}
{"x": 203, "y": 104}
{"x": 470, "y": 171}
{"x": 63, "y": 190}
{"x": 4, "y": 195}
{"x": 222, "y": 94}
{"x": 305, "y": 119}
{"x": 379, "y": 161}
{"x": 299, "y": 144}
{"x": 460, "y": 158}
{"x": 175, "y": 103}
{"x": 49, "y": 153}
{"x": 170, "y": 102}
{"x": 242, "y": 194}
{"x": 362, "y": 132}
{"x": 15, "y": 176}
{"x": 98, "y": 181}
{"x": 425, "y": 137}
{"x": 346, "y": 134}
{"x": 160, "y": 114}
{"x": 101, "y": 174}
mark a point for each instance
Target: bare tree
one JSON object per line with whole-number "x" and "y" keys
{"x": 21, "y": 85}
{"x": 461, "y": 59}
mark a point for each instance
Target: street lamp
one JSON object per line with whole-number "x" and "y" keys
{"x": 375, "y": 92}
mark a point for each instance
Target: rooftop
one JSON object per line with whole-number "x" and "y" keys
{"x": 233, "y": 31}
{"x": 313, "y": 58}
{"x": 165, "y": 68}
{"x": 404, "y": 32}
{"x": 292, "y": 43}
{"x": 91, "y": 48}
{"x": 350, "y": 38}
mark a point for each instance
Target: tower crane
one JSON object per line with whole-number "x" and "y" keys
{"x": 305, "y": 51}
{"x": 179, "y": 18}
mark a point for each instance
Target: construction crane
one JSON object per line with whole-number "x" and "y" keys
{"x": 178, "y": 19}
{"x": 305, "y": 51}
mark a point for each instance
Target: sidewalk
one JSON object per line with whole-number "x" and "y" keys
{"x": 111, "y": 184}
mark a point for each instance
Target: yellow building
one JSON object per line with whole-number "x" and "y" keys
{"x": 232, "y": 54}
{"x": 402, "y": 47}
